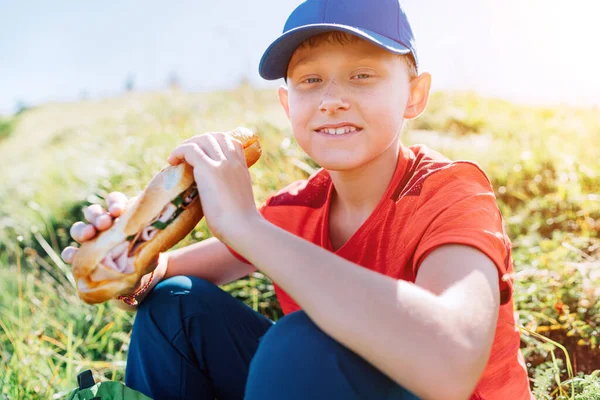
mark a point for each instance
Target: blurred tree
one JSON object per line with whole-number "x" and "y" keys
{"x": 174, "y": 82}
{"x": 129, "y": 83}
{"x": 84, "y": 95}
{"x": 21, "y": 107}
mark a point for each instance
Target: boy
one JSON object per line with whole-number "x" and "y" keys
{"x": 390, "y": 263}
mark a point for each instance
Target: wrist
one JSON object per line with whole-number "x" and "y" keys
{"x": 242, "y": 229}
{"x": 147, "y": 283}
{"x": 247, "y": 237}
{"x": 161, "y": 268}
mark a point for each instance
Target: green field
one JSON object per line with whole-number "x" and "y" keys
{"x": 58, "y": 158}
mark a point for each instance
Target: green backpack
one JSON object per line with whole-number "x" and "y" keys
{"x": 111, "y": 390}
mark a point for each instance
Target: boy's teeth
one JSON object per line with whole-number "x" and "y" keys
{"x": 339, "y": 131}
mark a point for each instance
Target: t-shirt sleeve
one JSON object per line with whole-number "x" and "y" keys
{"x": 262, "y": 209}
{"x": 463, "y": 210}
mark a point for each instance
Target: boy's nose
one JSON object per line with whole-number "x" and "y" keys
{"x": 331, "y": 104}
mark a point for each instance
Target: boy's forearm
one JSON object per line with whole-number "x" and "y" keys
{"x": 397, "y": 326}
{"x": 209, "y": 260}
{"x": 185, "y": 261}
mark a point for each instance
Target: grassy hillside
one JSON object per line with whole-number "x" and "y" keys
{"x": 62, "y": 157}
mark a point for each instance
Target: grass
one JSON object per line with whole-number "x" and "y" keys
{"x": 7, "y": 125}
{"x": 62, "y": 157}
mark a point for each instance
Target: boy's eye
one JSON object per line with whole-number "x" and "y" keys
{"x": 311, "y": 80}
{"x": 363, "y": 76}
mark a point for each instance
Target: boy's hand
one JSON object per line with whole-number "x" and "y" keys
{"x": 99, "y": 220}
{"x": 222, "y": 179}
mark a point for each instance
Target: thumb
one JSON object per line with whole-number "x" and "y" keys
{"x": 68, "y": 254}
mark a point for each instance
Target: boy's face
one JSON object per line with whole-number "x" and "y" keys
{"x": 356, "y": 86}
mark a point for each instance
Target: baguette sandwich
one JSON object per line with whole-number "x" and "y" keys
{"x": 168, "y": 209}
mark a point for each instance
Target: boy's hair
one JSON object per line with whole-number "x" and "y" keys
{"x": 343, "y": 38}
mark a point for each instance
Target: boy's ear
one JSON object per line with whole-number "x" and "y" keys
{"x": 283, "y": 99}
{"x": 419, "y": 95}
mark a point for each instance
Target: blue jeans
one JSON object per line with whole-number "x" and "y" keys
{"x": 192, "y": 340}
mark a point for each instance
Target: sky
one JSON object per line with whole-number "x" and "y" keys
{"x": 528, "y": 51}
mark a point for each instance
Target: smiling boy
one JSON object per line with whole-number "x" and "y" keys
{"x": 390, "y": 263}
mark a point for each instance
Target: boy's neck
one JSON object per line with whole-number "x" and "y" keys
{"x": 359, "y": 191}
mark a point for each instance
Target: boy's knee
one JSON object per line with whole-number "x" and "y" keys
{"x": 179, "y": 296}
{"x": 181, "y": 286}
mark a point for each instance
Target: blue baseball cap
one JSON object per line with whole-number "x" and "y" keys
{"x": 382, "y": 22}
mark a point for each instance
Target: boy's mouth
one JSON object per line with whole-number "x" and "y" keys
{"x": 338, "y": 129}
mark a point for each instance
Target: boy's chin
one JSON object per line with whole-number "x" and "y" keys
{"x": 338, "y": 162}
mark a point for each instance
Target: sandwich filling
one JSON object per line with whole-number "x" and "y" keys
{"x": 122, "y": 256}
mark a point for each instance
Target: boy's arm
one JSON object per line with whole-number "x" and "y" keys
{"x": 410, "y": 333}
{"x": 209, "y": 259}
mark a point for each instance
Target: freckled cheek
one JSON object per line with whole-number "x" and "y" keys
{"x": 381, "y": 118}
{"x": 301, "y": 112}
{"x": 382, "y": 109}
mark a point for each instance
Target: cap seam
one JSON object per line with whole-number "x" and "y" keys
{"x": 324, "y": 12}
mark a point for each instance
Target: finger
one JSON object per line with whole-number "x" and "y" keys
{"x": 92, "y": 212}
{"x": 235, "y": 147}
{"x": 226, "y": 142}
{"x": 80, "y": 232}
{"x": 68, "y": 254}
{"x": 239, "y": 149}
{"x": 190, "y": 153}
{"x": 103, "y": 222}
{"x": 215, "y": 141}
{"x": 116, "y": 209}
{"x": 207, "y": 143}
{"x": 115, "y": 203}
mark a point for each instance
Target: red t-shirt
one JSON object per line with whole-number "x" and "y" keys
{"x": 430, "y": 201}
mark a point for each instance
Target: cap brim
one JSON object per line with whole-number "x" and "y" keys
{"x": 274, "y": 62}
